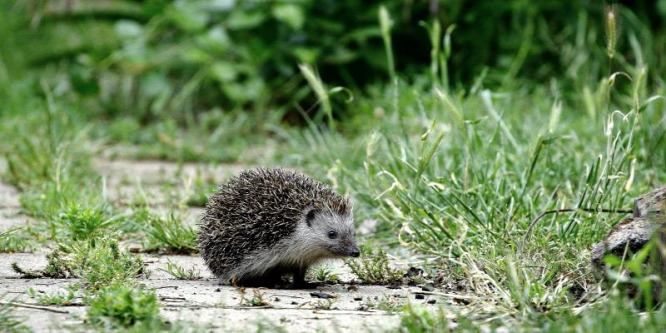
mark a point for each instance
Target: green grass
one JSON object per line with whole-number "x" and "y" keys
{"x": 457, "y": 176}
{"x": 460, "y": 184}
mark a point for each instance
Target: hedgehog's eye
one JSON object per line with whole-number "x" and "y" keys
{"x": 332, "y": 234}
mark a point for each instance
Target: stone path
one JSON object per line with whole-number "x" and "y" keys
{"x": 202, "y": 302}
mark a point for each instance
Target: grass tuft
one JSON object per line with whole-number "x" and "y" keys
{"x": 58, "y": 299}
{"x": 416, "y": 319}
{"x": 181, "y": 273}
{"x": 16, "y": 239}
{"x": 124, "y": 306}
{"x": 374, "y": 268}
{"x": 168, "y": 234}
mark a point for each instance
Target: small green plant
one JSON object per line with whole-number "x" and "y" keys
{"x": 373, "y": 268}
{"x": 416, "y": 319}
{"x": 61, "y": 264}
{"x": 125, "y": 306}
{"x": 102, "y": 263}
{"x": 59, "y": 299}
{"x": 170, "y": 235}
{"x": 325, "y": 304}
{"x": 265, "y": 326}
{"x": 257, "y": 298}
{"x": 15, "y": 239}
{"x": 325, "y": 274}
{"x": 416, "y": 280}
{"x": 385, "y": 303}
{"x": 84, "y": 222}
{"x": 199, "y": 190}
{"x": 180, "y": 272}
{"x": 640, "y": 274}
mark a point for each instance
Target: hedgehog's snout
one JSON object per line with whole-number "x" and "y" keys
{"x": 346, "y": 248}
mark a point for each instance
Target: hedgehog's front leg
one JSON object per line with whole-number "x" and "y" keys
{"x": 299, "y": 278}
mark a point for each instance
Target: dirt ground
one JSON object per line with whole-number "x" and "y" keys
{"x": 204, "y": 302}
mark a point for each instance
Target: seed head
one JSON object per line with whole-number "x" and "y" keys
{"x": 611, "y": 17}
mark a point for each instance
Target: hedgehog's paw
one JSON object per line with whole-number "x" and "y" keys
{"x": 272, "y": 281}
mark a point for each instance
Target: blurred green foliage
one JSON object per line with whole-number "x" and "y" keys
{"x": 174, "y": 59}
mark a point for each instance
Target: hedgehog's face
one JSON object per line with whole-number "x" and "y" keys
{"x": 333, "y": 232}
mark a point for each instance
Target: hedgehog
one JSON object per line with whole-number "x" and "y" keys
{"x": 266, "y": 223}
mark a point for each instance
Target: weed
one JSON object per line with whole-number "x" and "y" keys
{"x": 385, "y": 303}
{"x": 197, "y": 194}
{"x": 181, "y": 273}
{"x": 170, "y": 235}
{"x": 61, "y": 264}
{"x": 101, "y": 263}
{"x": 416, "y": 319}
{"x": 125, "y": 306}
{"x": 325, "y": 274}
{"x": 59, "y": 299}
{"x": 257, "y": 298}
{"x": 373, "y": 268}
{"x": 640, "y": 275}
{"x": 324, "y": 304}
{"x": 84, "y": 222}
{"x": 322, "y": 92}
{"x": 265, "y": 326}
{"x": 16, "y": 239}
{"x": 615, "y": 314}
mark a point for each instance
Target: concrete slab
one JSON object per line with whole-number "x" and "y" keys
{"x": 288, "y": 320}
{"x": 218, "y": 317}
{"x": 27, "y": 261}
{"x": 11, "y": 217}
{"x": 223, "y": 307}
{"x": 156, "y": 172}
{"x": 157, "y": 183}
{"x": 204, "y": 301}
{"x": 9, "y": 196}
{"x": 52, "y": 319}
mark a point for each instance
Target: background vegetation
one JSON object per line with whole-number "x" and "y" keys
{"x": 452, "y": 123}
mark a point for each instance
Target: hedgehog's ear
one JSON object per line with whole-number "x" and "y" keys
{"x": 309, "y": 217}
